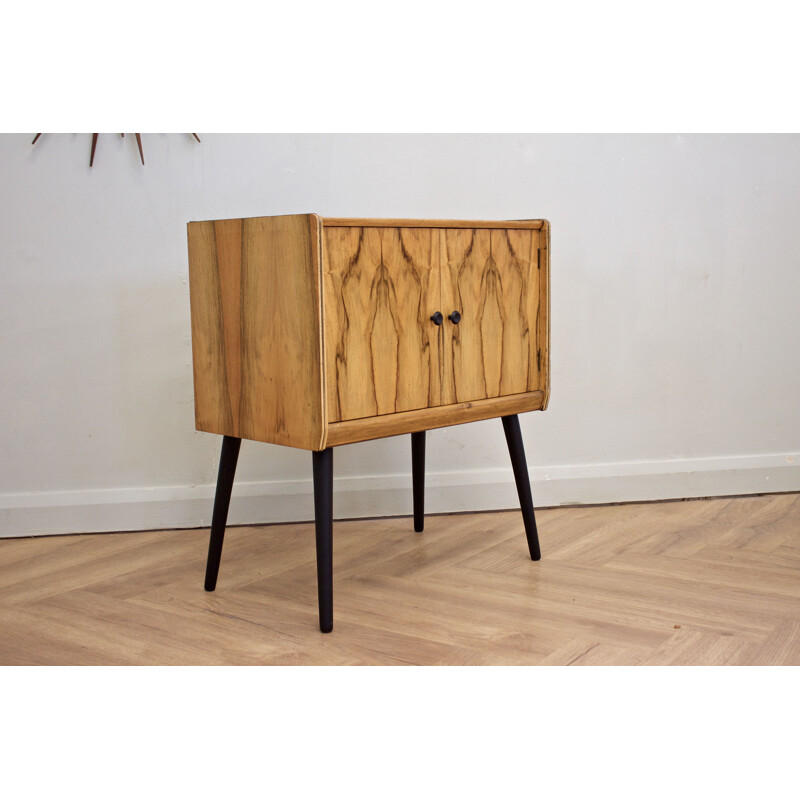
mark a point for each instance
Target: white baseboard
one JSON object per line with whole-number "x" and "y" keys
{"x": 165, "y": 507}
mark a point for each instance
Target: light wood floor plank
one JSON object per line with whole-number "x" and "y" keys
{"x": 781, "y": 647}
{"x": 698, "y": 582}
{"x": 585, "y": 652}
{"x": 696, "y": 648}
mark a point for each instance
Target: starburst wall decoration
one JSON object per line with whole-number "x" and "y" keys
{"x": 94, "y": 144}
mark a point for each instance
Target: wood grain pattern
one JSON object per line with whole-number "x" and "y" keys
{"x": 426, "y": 419}
{"x": 256, "y": 330}
{"x": 380, "y": 288}
{"x": 493, "y": 278}
{"x": 701, "y": 582}
{"x": 299, "y": 322}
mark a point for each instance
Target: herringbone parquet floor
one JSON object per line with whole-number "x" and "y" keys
{"x": 697, "y": 582}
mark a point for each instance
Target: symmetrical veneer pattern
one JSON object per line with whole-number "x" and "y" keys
{"x": 381, "y": 286}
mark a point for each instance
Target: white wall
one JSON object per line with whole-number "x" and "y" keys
{"x": 675, "y": 333}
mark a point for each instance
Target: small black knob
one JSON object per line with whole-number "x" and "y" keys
{"x": 455, "y": 318}
{"x": 437, "y": 318}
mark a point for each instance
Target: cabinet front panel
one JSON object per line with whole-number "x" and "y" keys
{"x": 380, "y": 288}
{"x": 492, "y": 278}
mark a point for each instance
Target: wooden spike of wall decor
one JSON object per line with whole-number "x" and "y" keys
{"x": 94, "y": 144}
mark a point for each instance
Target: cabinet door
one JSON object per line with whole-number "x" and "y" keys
{"x": 492, "y": 277}
{"x": 380, "y": 288}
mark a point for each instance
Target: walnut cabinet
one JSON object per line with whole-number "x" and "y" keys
{"x": 314, "y": 332}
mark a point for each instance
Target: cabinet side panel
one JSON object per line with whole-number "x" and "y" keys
{"x": 381, "y": 286}
{"x": 256, "y": 320}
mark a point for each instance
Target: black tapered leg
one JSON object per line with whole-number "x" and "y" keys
{"x": 219, "y": 517}
{"x": 418, "y": 478}
{"x": 517, "y": 453}
{"x": 323, "y": 512}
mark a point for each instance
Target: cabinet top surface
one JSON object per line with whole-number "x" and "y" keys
{"x": 339, "y": 222}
